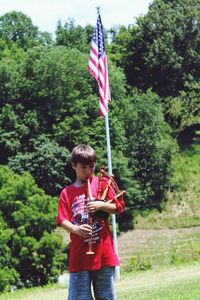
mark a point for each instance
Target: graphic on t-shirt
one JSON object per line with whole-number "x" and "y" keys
{"x": 80, "y": 216}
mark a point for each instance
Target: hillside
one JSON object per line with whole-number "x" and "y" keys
{"x": 143, "y": 249}
{"x": 172, "y": 236}
{"x": 182, "y": 207}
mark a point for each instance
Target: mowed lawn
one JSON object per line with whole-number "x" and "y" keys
{"x": 181, "y": 283}
{"x": 176, "y": 283}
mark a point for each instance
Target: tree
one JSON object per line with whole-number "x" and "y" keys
{"x": 11, "y": 73}
{"x": 8, "y": 276}
{"x": 48, "y": 163}
{"x": 17, "y": 127}
{"x": 73, "y": 36}
{"x": 17, "y": 27}
{"x": 164, "y": 47}
{"x": 31, "y": 252}
{"x": 150, "y": 148}
{"x": 183, "y": 112}
{"x": 118, "y": 49}
{"x": 56, "y": 95}
{"x": 55, "y": 77}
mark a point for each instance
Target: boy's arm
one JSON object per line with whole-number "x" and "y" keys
{"x": 83, "y": 230}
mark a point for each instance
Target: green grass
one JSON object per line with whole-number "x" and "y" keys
{"x": 155, "y": 249}
{"x": 51, "y": 292}
{"x": 173, "y": 284}
{"x": 176, "y": 283}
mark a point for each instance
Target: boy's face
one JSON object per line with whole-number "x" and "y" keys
{"x": 83, "y": 171}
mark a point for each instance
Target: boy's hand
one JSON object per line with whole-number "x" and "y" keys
{"x": 106, "y": 206}
{"x": 94, "y": 206}
{"x": 84, "y": 230}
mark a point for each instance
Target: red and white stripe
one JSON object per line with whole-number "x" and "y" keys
{"x": 99, "y": 70}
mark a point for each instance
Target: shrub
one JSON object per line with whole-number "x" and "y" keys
{"x": 31, "y": 253}
{"x": 138, "y": 263}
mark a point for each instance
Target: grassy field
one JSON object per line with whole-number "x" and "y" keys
{"x": 175, "y": 283}
{"x": 158, "y": 248}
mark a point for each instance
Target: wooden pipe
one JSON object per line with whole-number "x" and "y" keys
{"x": 90, "y": 252}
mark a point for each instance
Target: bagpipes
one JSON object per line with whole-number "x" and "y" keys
{"x": 101, "y": 196}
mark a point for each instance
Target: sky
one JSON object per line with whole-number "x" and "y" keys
{"x": 46, "y": 13}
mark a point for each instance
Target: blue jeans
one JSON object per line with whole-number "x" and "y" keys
{"x": 102, "y": 281}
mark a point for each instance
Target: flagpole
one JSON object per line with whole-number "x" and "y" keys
{"x": 117, "y": 269}
{"x": 98, "y": 69}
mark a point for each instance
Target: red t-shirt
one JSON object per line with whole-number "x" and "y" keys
{"x": 72, "y": 207}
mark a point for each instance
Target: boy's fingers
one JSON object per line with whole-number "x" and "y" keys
{"x": 87, "y": 228}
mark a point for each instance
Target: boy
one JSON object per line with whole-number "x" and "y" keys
{"x": 74, "y": 210}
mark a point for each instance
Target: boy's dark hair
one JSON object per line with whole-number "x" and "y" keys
{"x": 83, "y": 154}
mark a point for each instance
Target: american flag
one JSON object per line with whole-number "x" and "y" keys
{"x": 98, "y": 67}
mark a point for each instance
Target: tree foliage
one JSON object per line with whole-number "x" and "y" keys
{"x": 56, "y": 97}
{"x": 31, "y": 253}
{"x": 161, "y": 51}
{"x": 150, "y": 148}
{"x": 45, "y": 163}
{"x": 183, "y": 112}
{"x": 73, "y": 36}
{"x": 163, "y": 48}
{"x": 18, "y": 28}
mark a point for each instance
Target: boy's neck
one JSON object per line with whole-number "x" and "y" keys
{"x": 79, "y": 182}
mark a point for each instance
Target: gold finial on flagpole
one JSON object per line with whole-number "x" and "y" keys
{"x": 98, "y": 10}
